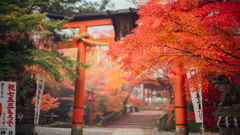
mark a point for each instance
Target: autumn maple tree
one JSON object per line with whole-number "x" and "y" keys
{"x": 47, "y": 102}
{"x": 198, "y": 35}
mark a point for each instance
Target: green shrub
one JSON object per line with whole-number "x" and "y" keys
{"x": 193, "y": 127}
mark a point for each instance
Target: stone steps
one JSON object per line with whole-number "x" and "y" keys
{"x": 142, "y": 119}
{"x": 134, "y": 126}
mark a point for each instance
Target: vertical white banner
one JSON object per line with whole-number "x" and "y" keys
{"x": 7, "y": 107}
{"x": 39, "y": 92}
{"x": 196, "y": 97}
{"x": 197, "y": 105}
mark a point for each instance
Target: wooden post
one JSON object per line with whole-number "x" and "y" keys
{"x": 180, "y": 102}
{"x": 151, "y": 92}
{"x": 148, "y": 95}
{"x": 143, "y": 95}
{"x": 90, "y": 112}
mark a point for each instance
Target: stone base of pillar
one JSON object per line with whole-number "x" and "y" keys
{"x": 181, "y": 131}
{"x": 229, "y": 131}
{"x": 77, "y": 130}
{"x": 228, "y": 119}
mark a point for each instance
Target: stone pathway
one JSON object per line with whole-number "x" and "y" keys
{"x": 67, "y": 131}
{"x": 136, "y": 123}
{"x": 126, "y": 131}
{"x": 106, "y": 131}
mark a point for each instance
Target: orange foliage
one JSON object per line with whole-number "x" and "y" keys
{"x": 47, "y": 102}
{"x": 107, "y": 80}
{"x": 134, "y": 101}
{"x": 201, "y": 36}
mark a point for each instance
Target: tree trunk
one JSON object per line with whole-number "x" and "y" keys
{"x": 124, "y": 108}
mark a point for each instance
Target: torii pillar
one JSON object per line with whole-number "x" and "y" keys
{"x": 77, "y": 121}
{"x": 180, "y": 102}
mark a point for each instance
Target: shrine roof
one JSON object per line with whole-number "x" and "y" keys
{"x": 95, "y": 15}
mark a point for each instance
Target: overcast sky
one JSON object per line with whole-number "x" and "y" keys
{"x": 123, "y": 4}
{"x": 119, "y": 4}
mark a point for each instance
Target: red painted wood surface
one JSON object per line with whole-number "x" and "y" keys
{"x": 180, "y": 99}
{"x": 79, "y": 83}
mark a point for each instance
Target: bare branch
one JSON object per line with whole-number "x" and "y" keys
{"x": 219, "y": 66}
{"x": 177, "y": 49}
{"x": 223, "y": 62}
{"x": 230, "y": 54}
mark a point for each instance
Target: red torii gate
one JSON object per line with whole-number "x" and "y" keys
{"x": 123, "y": 22}
{"x": 123, "y": 18}
{"x": 79, "y": 83}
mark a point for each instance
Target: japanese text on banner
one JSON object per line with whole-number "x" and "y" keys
{"x": 40, "y": 87}
{"x": 7, "y": 107}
